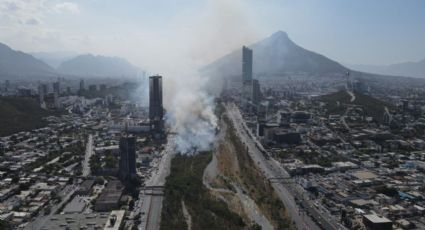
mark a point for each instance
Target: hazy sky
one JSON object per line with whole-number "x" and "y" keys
{"x": 157, "y": 33}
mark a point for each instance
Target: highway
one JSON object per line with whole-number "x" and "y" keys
{"x": 152, "y": 210}
{"x": 89, "y": 153}
{"x": 151, "y": 199}
{"x": 272, "y": 169}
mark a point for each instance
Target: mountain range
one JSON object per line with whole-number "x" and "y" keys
{"x": 278, "y": 55}
{"x": 275, "y": 56}
{"x": 15, "y": 63}
{"x": 410, "y": 69}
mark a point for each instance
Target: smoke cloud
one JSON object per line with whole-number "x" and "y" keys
{"x": 191, "y": 116}
{"x": 221, "y": 27}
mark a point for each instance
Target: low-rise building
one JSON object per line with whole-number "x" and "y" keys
{"x": 110, "y": 197}
{"x": 375, "y": 222}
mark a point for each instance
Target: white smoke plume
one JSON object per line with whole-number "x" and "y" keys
{"x": 189, "y": 111}
{"x": 192, "y": 118}
{"x": 221, "y": 27}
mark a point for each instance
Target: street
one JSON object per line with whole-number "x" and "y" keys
{"x": 151, "y": 199}
{"x": 272, "y": 169}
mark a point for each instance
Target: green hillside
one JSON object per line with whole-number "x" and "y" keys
{"x": 336, "y": 103}
{"x": 20, "y": 114}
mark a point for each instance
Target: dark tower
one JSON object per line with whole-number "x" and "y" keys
{"x": 247, "y": 87}
{"x": 156, "y": 111}
{"x": 246, "y": 64}
{"x": 127, "y": 168}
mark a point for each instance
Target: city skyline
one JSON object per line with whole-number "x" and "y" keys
{"x": 212, "y": 114}
{"x": 390, "y": 32}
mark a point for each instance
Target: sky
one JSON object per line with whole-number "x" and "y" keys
{"x": 182, "y": 34}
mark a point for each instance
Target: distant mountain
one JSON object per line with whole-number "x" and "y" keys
{"x": 17, "y": 63}
{"x": 54, "y": 59}
{"x": 275, "y": 56}
{"x": 409, "y": 69}
{"x": 90, "y": 65}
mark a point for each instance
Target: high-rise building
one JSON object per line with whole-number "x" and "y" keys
{"x": 256, "y": 92}
{"x": 246, "y": 64}
{"x": 82, "y": 87}
{"x": 127, "y": 169}
{"x": 349, "y": 84}
{"x": 247, "y": 85}
{"x": 156, "y": 111}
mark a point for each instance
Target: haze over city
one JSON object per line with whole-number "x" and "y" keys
{"x": 212, "y": 114}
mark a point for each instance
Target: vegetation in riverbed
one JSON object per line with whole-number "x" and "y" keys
{"x": 185, "y": 183}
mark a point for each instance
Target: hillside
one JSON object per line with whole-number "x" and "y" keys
{"x": 274, "y": 56}
{"x": 336, "y": 103}
{"x": 17, "y": 63}
{"x": 20, "y": 114}
{"x": 101, "y": 66}
{"x": 54, "y": 59}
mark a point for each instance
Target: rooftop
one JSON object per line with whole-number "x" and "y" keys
{"x": 377, "y": 219}
{"x": 364, "y": 175}
{"x": 76, "y": 221}
{"x": 77, "y": 205}
{"x": 114, "y": 220}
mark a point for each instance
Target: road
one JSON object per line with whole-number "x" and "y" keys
{"x": 272, "y": 169}
{"x": 152, "y": 207}
{"x": 151, "y": 200}
{"x": 89, "y": 153}
{"x": 353, "y": 97}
